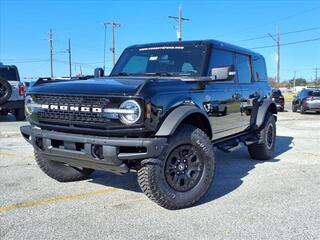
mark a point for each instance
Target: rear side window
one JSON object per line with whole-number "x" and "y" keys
{"x": 276, "y": 92}
{"x": 8, "y": 73}
{"x": 260, "y": 70}
{"x": 315, "y": 94}
{"x": 243, "y": 68}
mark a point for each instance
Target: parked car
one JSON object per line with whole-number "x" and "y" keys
{"x": 278, "y": 98}
{"x": 307, "y": 100}
{"x": 11, "y": 92}
{"x": 161, "y": 112}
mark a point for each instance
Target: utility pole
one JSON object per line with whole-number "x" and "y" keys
{"x": 113, "y": 48}
{"x": 294, "y": 81}
{"x": 51, "y": 52}
{"x": 278, "y": 54}
{"x": 277, "y": 40}
{"x": 104, "y": 47}
{"x": 69, "y": 52}
{"x": 179, "y": 19}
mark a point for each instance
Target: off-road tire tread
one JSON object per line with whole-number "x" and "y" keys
{"x": 148, "y": 181}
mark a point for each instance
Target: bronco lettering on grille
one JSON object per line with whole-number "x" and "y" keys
{"x": 72, "y": 108}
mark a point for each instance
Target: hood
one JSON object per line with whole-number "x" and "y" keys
{"x": 99, "y": 86}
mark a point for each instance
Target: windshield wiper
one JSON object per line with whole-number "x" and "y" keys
{"x": 121, "y": 74}
{"x": 157, "y": 74}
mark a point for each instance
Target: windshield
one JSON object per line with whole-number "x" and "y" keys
{"x": 162, "y": 61}
{"x": 8, "y": 73}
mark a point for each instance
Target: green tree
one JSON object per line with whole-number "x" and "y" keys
{"x": 299, "y": 82}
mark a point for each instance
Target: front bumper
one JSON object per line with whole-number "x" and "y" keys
{"x": 103, "y": 153}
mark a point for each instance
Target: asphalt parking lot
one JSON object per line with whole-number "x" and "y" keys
{"x": 277, "y": 199}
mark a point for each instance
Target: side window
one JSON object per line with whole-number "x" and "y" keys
{"x": 260, "y": 70}
{"x": 243, "y": 68}
{"x": 221, "y": 58}
{"x": 136, "y": 64}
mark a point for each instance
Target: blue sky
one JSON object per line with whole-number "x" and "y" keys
{"x": 24, "y": 27}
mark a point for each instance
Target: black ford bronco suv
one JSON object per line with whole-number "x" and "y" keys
{"x": 162, "y": 112}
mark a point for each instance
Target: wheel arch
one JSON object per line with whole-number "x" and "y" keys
{"x": 267, "y": 106}
{"x": 185, "y": 115}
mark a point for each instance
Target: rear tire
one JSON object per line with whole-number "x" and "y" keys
{"x": 183, "y": 174}
{"x": 60, "y": 171}
{"x": 20, "y": 114}
{"x": 264, "y": 150}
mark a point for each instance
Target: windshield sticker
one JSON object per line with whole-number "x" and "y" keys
{"x": 161, "y": 48}
{"x": 153, "y": 58}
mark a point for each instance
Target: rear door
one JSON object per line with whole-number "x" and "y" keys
{"x": 252, "y": 77}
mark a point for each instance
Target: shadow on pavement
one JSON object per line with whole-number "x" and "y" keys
{"x": 231, "y": 168}
{"x": 8, "y": 118}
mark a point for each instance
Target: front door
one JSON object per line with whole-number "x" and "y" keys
{"x": 223, "y": 98}
{"x": 222, "y": 104}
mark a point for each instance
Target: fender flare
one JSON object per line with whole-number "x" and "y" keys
{"x": 176, "y": 117}
{"x": 263, "y": 109}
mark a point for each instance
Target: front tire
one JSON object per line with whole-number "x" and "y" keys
{"x": 183, "y": 174}
{"x": 20, "y": 114}
{"x": 302, "y": 110}
{"x": 294, "y": 108}
{"x": 60, "y": 171}
{"x": 264, "y": 150}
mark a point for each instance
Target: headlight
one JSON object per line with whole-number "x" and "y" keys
{"x": 30, "y": 105}
{"x": 131, "y": 112}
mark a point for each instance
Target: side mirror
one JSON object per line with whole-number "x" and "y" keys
{"x": 98, "y": 72}
{"x": 223, "y": 73}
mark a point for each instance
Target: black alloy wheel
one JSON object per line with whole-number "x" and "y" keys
{"x": 184, "y": 168}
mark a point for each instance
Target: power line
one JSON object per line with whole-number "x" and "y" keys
{"x": 282, "y": 34}
{"x": 290, "y": 43}
{"x": 283, "y": 18}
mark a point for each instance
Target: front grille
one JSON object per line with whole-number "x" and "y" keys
{"x": 88, "y": 119}
{"x": 72, "y": 100}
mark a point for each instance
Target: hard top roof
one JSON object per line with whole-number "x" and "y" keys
{"x": 214, "y": 43}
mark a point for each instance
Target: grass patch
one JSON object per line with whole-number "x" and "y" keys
{"x": 288, "y": 97}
